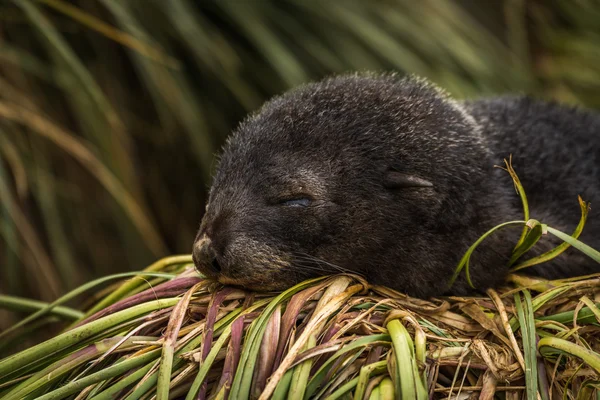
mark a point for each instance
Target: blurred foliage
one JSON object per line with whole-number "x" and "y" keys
{"x": 111, "y": 111}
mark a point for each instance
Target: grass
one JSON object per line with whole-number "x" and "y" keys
{"x": 533, "y": 230}
{"x": 332, "y": 337}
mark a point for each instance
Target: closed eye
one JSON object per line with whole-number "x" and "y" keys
{"x": 296, "y": 202}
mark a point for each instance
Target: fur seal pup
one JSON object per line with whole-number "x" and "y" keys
{"x": 392, "y": 179}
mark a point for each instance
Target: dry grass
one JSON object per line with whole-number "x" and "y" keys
{"x": 181, "y": 336}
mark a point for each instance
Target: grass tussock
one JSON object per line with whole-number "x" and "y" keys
{"x": 172, "y": 334}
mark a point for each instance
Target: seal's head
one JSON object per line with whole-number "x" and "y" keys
{"x": 364, "y": 173}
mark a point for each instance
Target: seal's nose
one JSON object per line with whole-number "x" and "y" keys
{"x": 205, "y": 258}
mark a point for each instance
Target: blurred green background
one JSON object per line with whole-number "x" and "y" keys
{"x": 111, "y": 111}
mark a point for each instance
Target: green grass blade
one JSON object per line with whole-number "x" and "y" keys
{"x": 365, "y": 374}
{"x": 584, "y": 316}
{"x": 223, "y": 325}
{"x": 76, "y": 292}
{"x": 465, "y": 259}
{"x": 319, "y": 376}
{"x": 226, "y": 324}
{"x": 64, "y": 366}
{"x": 536, "y": 230}
{"x": 77, "y": 335}
{"x": 521, "y": 192}
{"x": 301, "y": 374}
{"x": 527, "y": 322}
{"x": 337, "y": 294}
{"x": 552, "y": 346}
{"x": 206, "y": 364}
{"x": 111, "y": 392}
{"x": 584, "y": 248}
{"x": 28, "y": 305}
{"x": 283, "y": 386}
{"x": 240, "y": 387}
{"x": 115, "y": 370}
{"x": 386, "y": 390}
{"x": 131, "y": 284}
{"x": 592, "y": 307}
{"x": 408, "y": 379}
{"x": 342, "y": 390}
{"x": 549, "y": 255}
{"x": 170, "y": 340}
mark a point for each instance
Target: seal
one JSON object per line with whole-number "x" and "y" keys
{"x": 392, "y": 179}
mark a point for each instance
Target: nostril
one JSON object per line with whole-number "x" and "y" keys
{"x": 215, "y": 265}
{"x": 205, "y": 257}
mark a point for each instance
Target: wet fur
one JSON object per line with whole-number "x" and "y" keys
{"x": 339, "y": 139}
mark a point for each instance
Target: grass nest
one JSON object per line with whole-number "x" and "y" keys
{"x": 174, "y": 334}
{"x": 169, "y": 333}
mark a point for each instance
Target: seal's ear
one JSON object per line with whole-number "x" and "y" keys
{"x": 398, "y": 180}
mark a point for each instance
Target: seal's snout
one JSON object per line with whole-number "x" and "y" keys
{"x": 205, "y": 257}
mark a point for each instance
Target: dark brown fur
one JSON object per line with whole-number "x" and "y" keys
{"x": 391, "y": 179}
